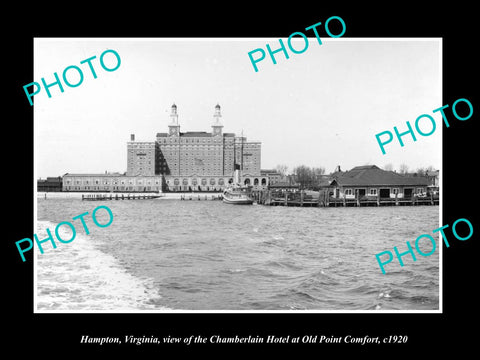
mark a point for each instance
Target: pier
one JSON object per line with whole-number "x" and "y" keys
{"x": 322, "y": 199}
{"x": 102, "y": 197}
{"x": 200, "y": 197}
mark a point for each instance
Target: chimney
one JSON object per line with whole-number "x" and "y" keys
{"x": 132, "y": 137}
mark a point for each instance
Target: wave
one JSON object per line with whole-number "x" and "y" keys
{"x": 77, "y": 276}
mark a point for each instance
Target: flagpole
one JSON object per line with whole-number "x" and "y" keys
{"x": 241, "y": 151}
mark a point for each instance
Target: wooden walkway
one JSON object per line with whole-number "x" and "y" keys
{"x": 322, "y": 200}
{"x": 200, "y": 197}
{"x": 102, "y": 197}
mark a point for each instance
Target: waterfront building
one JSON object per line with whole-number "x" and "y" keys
{"x": 180, "y": 161}
{"x": 202, "y": 153}
{"x": 201, "y": 160}
{"x": 272, "y": 175}
{"x": 112, "y": 182}
{"x": 49, "y": 184}
{"x": 372, "y": 181}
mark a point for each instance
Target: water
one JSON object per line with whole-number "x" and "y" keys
{"x": 205, "y": 255}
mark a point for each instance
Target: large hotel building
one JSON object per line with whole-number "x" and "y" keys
{"x": 180, "y": 161}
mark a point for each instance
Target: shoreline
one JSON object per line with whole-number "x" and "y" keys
{"x": 161, "y": 196}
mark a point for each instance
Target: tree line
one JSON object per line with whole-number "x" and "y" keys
{"x": 305, "y": 176}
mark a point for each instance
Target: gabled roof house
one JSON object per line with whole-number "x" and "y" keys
{"x": 370, "y": 180}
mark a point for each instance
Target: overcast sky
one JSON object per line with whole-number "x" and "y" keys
{"x": 319, "y": 108}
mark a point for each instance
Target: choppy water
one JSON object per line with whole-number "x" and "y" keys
{"x": 206, "y": 255}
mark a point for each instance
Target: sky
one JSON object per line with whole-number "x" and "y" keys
{"x": 320, "y": 108}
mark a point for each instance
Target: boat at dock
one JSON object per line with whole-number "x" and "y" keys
{"x": 238, "y": 195}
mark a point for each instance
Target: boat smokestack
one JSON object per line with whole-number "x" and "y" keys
{"x": 237, "y": 177}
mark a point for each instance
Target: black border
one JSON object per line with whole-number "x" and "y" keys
{"x": 58, "y": 333}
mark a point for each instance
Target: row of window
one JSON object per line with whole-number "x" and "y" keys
{"x": 192, "y": 143}
{"x": 143, "y": 147}
{"x": 139, "y": 163}
{"x": 374, "y": 191}
{"x": 192, "y": 140}
{"x": 198, "y": 153}
{"x": 114, "y": 182}
{"x": 213, "y": 181}
{"x": 120, "y": 188}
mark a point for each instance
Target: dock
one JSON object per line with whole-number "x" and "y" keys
{"x": 322, "y": 199}
{"x": 103, "y": 197}
{"x": 200, "y": 197}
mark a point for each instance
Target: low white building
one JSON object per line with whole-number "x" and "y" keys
{"x": 112, "y": 182}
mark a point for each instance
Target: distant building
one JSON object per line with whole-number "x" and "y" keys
{"x": 140, "y": 158}
{"x": 49, "y": 184}
{"x": 370, "y": 180}
{"x": 284, "y": 186}
{"x": 112, "y": 182}
{"x": 433, "y": 177}
{"x": 272, "y": 175}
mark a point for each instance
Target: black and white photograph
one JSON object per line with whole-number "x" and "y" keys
{"x": 173, "y": 135}
{"x": 193, "y": 179}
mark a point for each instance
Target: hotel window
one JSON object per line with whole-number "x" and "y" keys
{"x": 348, "y": 192}
{"x": 373, "y": 191}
